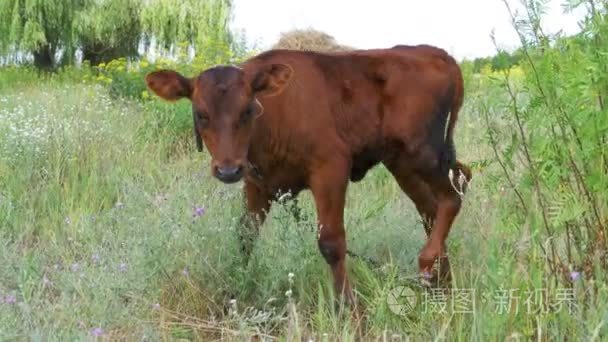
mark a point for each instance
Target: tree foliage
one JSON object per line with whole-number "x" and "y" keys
{"x": 548, "y": 132}
{"x": 108, "y": 29}
{"x": 200, "y": 25}
{"x": 503, "y": 60}
{"x": 41, "y": 27}
{"x": 53, "y": 30}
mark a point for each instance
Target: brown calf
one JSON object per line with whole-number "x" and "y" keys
{"x": 293, "y": 120}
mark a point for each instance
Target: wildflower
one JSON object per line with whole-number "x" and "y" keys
{"x": 123, "y": 267}
{"x": 233, "y": 308}
{"x": 198, "y": 211}
{"x": 67, "y": 220}
{"x": 75, "y": 267}
{"x": 574, "y": 275}
{"x": 159, "y": 199}
{"x": 10, "y": 299}
{"x": 46, "y": 281}
{"x": 185, "y": 272}
{"x": 96, "y": 332}
{"x": 95, "y": 258}
{"x": 156, "y": 306}
{"x": 288, "y": 293}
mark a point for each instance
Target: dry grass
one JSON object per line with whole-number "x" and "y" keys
{"x": 309, "y": 40}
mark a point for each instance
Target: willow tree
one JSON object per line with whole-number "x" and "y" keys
{"x": 107, "y": 29}
{"x": 40, "y": 27}
{"x": 198, "y": 24}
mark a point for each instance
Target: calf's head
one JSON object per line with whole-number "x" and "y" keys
{"x": 224, "y": 108}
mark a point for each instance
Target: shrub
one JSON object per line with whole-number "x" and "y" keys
{"x": 550, "y": 144}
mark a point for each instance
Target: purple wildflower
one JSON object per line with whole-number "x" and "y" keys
{"x": 75, "y": 267}
{"x": 97, "y": 332}
{"x": 123, "y": 267}
{"x": 10, "y": 299}
{"x": 574, "y": 275}
{"x": 198, "y": 211}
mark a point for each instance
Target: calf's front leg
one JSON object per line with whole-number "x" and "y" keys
{"x": 257, "y": 203}
{"x": 328, "y": 186}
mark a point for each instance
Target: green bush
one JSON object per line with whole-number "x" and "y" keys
{"x": 550, "y": 143}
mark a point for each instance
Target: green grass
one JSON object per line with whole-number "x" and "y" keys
{"x": 97, "y": 231}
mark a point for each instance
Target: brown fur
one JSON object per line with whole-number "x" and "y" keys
{"x": 323, "y": 120}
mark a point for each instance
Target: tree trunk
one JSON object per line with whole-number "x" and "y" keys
{"x": 98, "y": 53}
{"x": 43, "y": 58}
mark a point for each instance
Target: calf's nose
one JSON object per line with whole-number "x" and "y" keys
{"x": 229, "y": 173}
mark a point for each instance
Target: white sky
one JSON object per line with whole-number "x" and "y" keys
{"x": 462, "y": 27}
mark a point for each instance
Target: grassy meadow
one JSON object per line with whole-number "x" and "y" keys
{"x": 107, "y": 234}
{"x": 112, "y": 228}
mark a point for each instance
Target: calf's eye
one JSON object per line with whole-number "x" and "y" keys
{"x": 247, "y": 115}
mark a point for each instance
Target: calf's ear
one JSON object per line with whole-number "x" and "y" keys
{"x": 169, "y": 85}
{"x": 271, "y": 79}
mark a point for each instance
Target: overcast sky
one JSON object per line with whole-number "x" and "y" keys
{"x": 462, "y": 27}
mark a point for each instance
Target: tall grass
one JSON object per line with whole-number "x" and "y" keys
{"x": 100, "y": 230}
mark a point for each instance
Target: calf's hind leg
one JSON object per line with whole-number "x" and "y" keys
{"x": 424, "y": 199}
{"x": 448, "y": 206}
